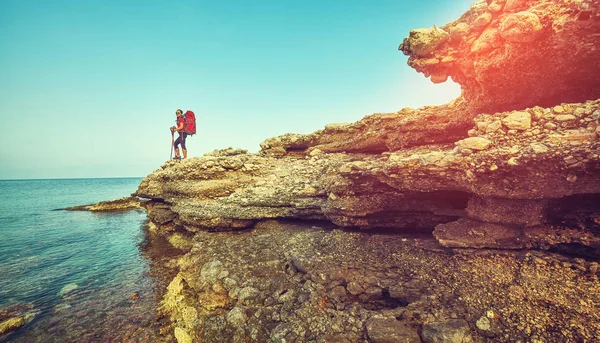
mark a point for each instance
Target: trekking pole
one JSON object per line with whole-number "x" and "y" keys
{"x": 172, "y": 143}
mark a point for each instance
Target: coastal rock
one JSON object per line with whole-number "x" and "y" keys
{"x": 121, "y": 204}
{"x": 413, "y": 188}
{"x": 412, "y": 284}
{"x": 390, "y": 330}
{"x": 15, "y": 317}
{"x": 506, "y": 177}
{"x": 474, "y": 143}
{"x": 450, "y": 331}
{"x": 518, "y": 121}
{"x": 520, "y": 57}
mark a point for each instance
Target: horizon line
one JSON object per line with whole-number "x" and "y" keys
{"x": 74, "y": 178}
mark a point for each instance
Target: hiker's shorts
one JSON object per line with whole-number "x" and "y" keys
{"x": 181, "y": 139}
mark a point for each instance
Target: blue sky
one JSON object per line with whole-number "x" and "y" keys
{"x": 89, "y": 88}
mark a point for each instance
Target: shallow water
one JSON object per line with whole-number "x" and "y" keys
{"x": 77, "y": 271}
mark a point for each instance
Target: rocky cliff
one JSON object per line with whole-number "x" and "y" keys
{"x": 512, "y": 165}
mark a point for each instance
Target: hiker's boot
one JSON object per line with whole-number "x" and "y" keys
{"x": 177, "y": 157}
{"x": 184, "y": 153}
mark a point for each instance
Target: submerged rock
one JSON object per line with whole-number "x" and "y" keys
{"x": 68, "y": 289}
{"x": 121, "y": 204}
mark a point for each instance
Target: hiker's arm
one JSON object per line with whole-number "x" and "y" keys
{"x": 180, "y": 127}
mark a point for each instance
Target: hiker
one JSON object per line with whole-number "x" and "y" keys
{"x": 182, "y": 135}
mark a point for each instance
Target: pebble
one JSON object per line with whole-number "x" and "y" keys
{"x": 558, "y": 109}
{"x": 483, "y": 323}
{"x": 493, "y": 126}
{"x": 474, "y": 143}
{"x": 518, "y": 121}
{"x": 564, "y": 117}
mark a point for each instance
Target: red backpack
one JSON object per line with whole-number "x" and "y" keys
{"x": 189, "y": 124}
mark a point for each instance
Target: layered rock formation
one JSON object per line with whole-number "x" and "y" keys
{"x": 512, "y": 164}
{"x": 510, "y": 184}
{"x": 513, "y": 54}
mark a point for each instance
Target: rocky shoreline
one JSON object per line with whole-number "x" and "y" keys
{"x": 310, "y": 282}
{"x": 474, "y": 221}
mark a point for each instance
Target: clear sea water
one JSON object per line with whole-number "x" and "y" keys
{"x": 75, "y": 271}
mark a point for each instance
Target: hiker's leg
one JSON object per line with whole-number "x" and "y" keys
{"x": 176, "y": 144}
{"x": 183, "y": 136}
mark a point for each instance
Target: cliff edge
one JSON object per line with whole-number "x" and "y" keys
{"x": 512, "y": 165}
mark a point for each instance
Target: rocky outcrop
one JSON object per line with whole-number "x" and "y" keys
{"x": 510, "y": 179}
{"x": 514, "y": 54}
{"x": 122, "y": 204}
{"x": 379, "y": 132}
{"x": 512, "y": 165}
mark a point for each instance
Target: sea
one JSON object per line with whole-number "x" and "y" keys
{"x": 79, "y": 276}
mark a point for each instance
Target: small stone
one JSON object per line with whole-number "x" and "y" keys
{"x": 483, "y": 323}
{"x": 474, "y": 143}
{"x": 539, "y": 148}
{"x": 550, "y": 126}
{"x": 482, "y": 125}
{"x": 579, "y": 112}
{"x": 316, "y": 152}
{"x": 513, "y": 161}
{"x": 354, "y": 288}
{"x": 236, "y": 317}
{"x": 596, "y": 115}
{"x": 570, "y": 160}
{"x": 572, "y": 178}
{"x": 493, "y": 167}
{"x": 338, "y": 292}
{"x": 211, "y": 271}
{"x": 518, "y": 121}
{"x": 182, "y": 336}
{"x": 493, "y": 126}
{"x": 558, "y": 109}
{"x": 68, "y": 289}
{"x": 564, "y": 117}
{"x": 247, "y": 293}
{"x": 450, "y": 331}
{"x": 388, "y": 330}
{"x": 472, "y": 133}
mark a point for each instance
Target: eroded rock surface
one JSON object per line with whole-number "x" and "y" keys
{"x": 295, "y": 282}
{"x": 514, "y": 54}
{"x": 512, "y": 165}
{"x": 504, "y": 181}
